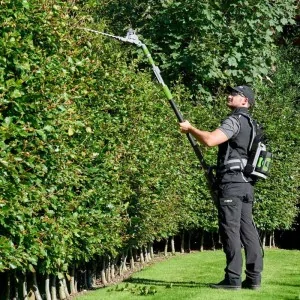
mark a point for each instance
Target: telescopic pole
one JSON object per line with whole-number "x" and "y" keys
{"x": 131, "y": 37}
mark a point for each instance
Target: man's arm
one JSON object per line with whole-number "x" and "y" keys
{"x": 207, "y": 138}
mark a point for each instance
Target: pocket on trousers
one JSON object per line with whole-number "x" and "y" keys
{"x": 228, "y": 209}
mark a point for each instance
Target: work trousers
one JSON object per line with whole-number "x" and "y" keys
{"x": 237, "y": 230}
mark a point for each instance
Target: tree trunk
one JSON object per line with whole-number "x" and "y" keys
{"x": 108, "y": 270}
{"x": 8, "y": 286}
{"x": 135, "y": 254}
{"x": 113, "y": 267}
{"x": 220, "y": 240}
{"x": 202, "y": 241}
{"x": 16, "y": 293}
{"x": 146, "y": 254}
{"x": 85, "y": 279}
{"x": 35, "y": 287}
{"x": 172, "y": 245}
{"x": 189, "y": 242}
{"x": 92, "y": 274}
{"x": 213, "y": 242}
{"x": 61, "y": 289}
{"x": 103, "y": 277}
{"x": 16, "y": 287}
{"x": 47, "y": 287}
{"x": 66, "y": 287}
{"x": 131, "y": 259}
{"x": 142, "y": 260}
{"x": 123, "y": 267}
{"x": 182, "y": 242}
{"x": 76, "y": 281}
{"x": 124, "y": 260}
{"x": 151, "y": 251}
{"x": 24, "y": 287}
{"x": 273, "y": 240}
{"x": 166, "y": 246}
{"x": 72, "y": 281}
{"x": 53, "y": 288}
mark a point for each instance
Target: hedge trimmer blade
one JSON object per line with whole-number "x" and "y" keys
{"x": 131, "y": 37}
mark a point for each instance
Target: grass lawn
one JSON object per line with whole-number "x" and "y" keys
{"x": 187, "y": 277}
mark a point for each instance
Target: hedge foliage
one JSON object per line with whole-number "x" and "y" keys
{"x": 91, "y": 159}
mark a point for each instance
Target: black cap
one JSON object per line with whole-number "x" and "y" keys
{"x": 245, "y": 90}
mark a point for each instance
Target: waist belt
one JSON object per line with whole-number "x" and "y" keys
{"x": 233, "y": 165}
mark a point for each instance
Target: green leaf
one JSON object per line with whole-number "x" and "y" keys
{"x": 16, "y": 94}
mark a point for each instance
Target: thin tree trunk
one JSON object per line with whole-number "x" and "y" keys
{"x": 24, "y": 287}
{"x": 202, "y": 241}
{"x": 66, "y": 287}
{"x": 220, "y": 240}
{"x": 120, "y": 266}
{"x": 76, "y": 280}
{"x": 166, "y": 246}
{"x": 182, "y": 242}
{"x": 53, "y": 288}
{"x": 108, "y": 270}
{"x": 113, "y": 267}
{"x": 92, "y": 275}
{"x": 142, "y": 260}
{"x": 8, "y": 286}
{"x": 103, "y": 277}
{"x": 131, "y": 259}
{"x": 213, "y": 242}
{"x": 16, "y": 287}
{"x": 151, "y": 251}
{"x": 47, "y": 287}
{"x": 35, "y": 287}
{"x": 85, "y": 277}
{"x": 72, "y": 281}
{"x": 273, "y": 244}
{"x": 16, "y": 293}
{"x": 61, "y": 289}
{"x": 124, "y": 260}
{"x": 264, "y": 240}
{"x": 172, "y": 245}
{"x": 189, "y": 242}
{"x": 146, "y": 254}
{"x": 135, "y": 254}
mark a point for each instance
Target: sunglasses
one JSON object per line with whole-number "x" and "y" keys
{"x": 235, "y": 93}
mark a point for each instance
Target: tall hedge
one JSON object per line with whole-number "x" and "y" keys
{"x": 92, "y": 165}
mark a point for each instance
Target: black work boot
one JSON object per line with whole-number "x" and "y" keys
{"x": 225, "y": 284}
{"x": 249, "y": 284}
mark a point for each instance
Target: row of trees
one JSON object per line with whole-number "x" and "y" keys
{"x": 93, "y": 169}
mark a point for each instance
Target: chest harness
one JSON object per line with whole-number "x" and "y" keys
{"x": 253, "y": 160}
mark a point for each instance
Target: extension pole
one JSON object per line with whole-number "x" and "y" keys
{"x": 131, "y": 37}
{"x": 208, "y": 172}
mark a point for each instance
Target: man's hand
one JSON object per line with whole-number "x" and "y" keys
{"x": 207, "y": 138}
{"x": 185, "y": 127}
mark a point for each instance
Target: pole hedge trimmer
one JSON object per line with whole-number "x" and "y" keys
{"x": 132, "y": 38}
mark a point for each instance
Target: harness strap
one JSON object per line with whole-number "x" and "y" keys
{"x": 240, "y": 163}
{"x": 234, "y": 164}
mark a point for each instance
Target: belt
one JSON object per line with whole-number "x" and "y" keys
{"x": 233, "y": 165}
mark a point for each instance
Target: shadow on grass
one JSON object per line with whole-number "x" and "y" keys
{"x": 284, "y": 284}
{"x": 189, "y": 284}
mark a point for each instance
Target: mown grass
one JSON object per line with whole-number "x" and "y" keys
{"x": 187, "y": 277}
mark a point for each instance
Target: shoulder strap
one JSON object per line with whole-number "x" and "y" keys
{"x": 253, "y": 125}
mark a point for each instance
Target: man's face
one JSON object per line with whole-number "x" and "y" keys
{"x": 236, "y": 99}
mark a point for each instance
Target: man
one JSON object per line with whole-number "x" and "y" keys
{"x": 235, "y": 190}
